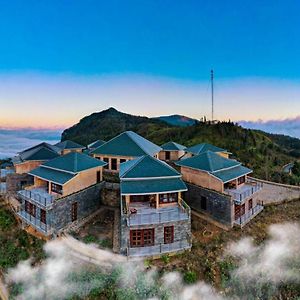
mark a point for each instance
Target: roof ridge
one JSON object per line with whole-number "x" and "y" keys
{"x": 129, "y": 131}
{"x": 137, "y": 161}
{"x": 165, "y": 164}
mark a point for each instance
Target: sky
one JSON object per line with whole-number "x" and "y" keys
{"x": 61, "y": 60}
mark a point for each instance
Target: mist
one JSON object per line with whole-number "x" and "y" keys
{"x": 76, "y": 269}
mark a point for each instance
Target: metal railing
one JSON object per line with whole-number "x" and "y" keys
{"x": 158, "y": 249}
{"x": 180, "y": 212}
{"x": 249, "y": 214}
{"x": 3, "y": 188}
{"x": 35, "y": 222}
{"x": 247, "y": 191}
{"x": 38, "y": 196}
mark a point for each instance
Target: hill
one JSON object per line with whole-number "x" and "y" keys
{"x": 265, "y": 153}
{"x": 178, "y": 120}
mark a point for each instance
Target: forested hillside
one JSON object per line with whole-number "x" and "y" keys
{"x": 265, "y": 153}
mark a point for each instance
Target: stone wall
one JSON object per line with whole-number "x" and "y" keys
{"x": 219, "y": 206}
{"x": 182, "y": 231}
{"x": 16, "y": 182}
{"x": 110, "y": 194}
{"x": 88, "y": 201}
{"x": 273, "y": 192}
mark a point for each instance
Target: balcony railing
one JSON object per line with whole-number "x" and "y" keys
{"x": 146, "y": 215}
{"x": 244, "y": 192}
{"x": 159, "y": 249}
{"x": 35, "y": 222}
{"x": 245, "y": 218}
{"x": 39, "y": 196}
{"x": 2, "y": 187}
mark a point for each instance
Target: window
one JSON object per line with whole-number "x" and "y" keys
{"x": 241, "y": 180}
{"x": 168, "y": 155}
{"x": 56, "y": 188}
{"x": 43, "y": 216}
{"x": 98, "y": 176}
{"x": 250, "y": 204}
{"x": 114, "y": 164}
{"x": 74, "y": 211}
{"x": 142, "y": 237}
{"x": 122, "y": 160}
{"x": 106, "y": 159}
{"x": 30, "y": 208}
{"x": 168, "y": 234}
{"x": 203, "y": 203}
{"x": 168, "y": 198}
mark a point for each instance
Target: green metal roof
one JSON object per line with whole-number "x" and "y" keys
{"x": 43, "y": 151}
{"x": 223, "y": 168}
{"x": 151, "y": 186}
{"x": 232, "y": 173}
{"x": 172, "y": 146}
{"x": 146, "y": 167}
{"x": 55, "y": 176}
{"x": 201, "y": 148}
{"x": 96, "y": 144}
{"x": 128, "y": 143}
{"x": 68, "y": 145}
{"x": 74, "y": 162}
{"x": 208, "y": 161}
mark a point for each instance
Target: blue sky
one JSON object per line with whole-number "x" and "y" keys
{"x": 147, "y": 57}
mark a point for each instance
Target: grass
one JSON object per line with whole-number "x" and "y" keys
{"x": 16, "y": 244}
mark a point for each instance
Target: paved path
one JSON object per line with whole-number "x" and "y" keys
{"x": 276, "y": 193}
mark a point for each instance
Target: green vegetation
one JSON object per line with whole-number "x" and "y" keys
{"x": 16, "y": 244}
{"x": 190, "y": 277}
{"x": 265, "y": 153}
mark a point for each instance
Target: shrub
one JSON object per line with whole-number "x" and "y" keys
{"x": 190, "y": 277}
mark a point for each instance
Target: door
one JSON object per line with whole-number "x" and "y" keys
{"x": 168, "y": 155}
{"x": 237, "y": 211}
{"x": 250, "y": 204}
{"x": 74, "y": 211}
{"x": 203, "y": 203}
{"x": 43, "y": 216}
{"x": 98, "y": 176}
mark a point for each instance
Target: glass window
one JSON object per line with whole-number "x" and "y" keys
{"x": 168, "y": 198}
{"x": 56, "y": 188}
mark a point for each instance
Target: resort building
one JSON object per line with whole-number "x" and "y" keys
{"x": 154, "y": 218}
{"x": 126, "y": 146}
{"x": 202, "y": 148}
{"x": 26, "y": 161}
{"x": 64, "y": 190}
{"x": 95, "y": 145}
{"x": 31, "y": 158}
{"x": 69, "y": 146}
{"x": 171, "y": 151}
{"x": 219, "y": 187}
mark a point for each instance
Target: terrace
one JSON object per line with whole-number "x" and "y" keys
{"x": 159, "y": 249}
{"x": 144, "y": 214}
{"x": 46, "y": 229}
{"x": 39, "y": 196}
{"x": 244, "y": 191}
{"x": 245, "y": 218}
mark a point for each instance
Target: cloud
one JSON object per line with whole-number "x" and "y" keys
{"x": 289, "y": 127}
{"x": 75, "y": 269}
{"x": 13, "y": 141}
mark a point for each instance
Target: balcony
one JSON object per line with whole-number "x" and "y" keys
{"x": 244, "y": 192}
{"x": 2, "y": 188}
{"x": 39, "y": 196}
{"x": 35, "y": 222}
{"x": 245, "y": 218}
{"x": 159, "y": 249}
{"x": 145, "y": 215}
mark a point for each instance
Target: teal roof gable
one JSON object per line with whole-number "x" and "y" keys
{"x": 172, "y": 146}
{"x": 146, "y": 167}
{"x": 68, "y": 145}
{"x": 201, "y": 148}
{"x": 129, "y": 144}
{"x": 74, "y": 162}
